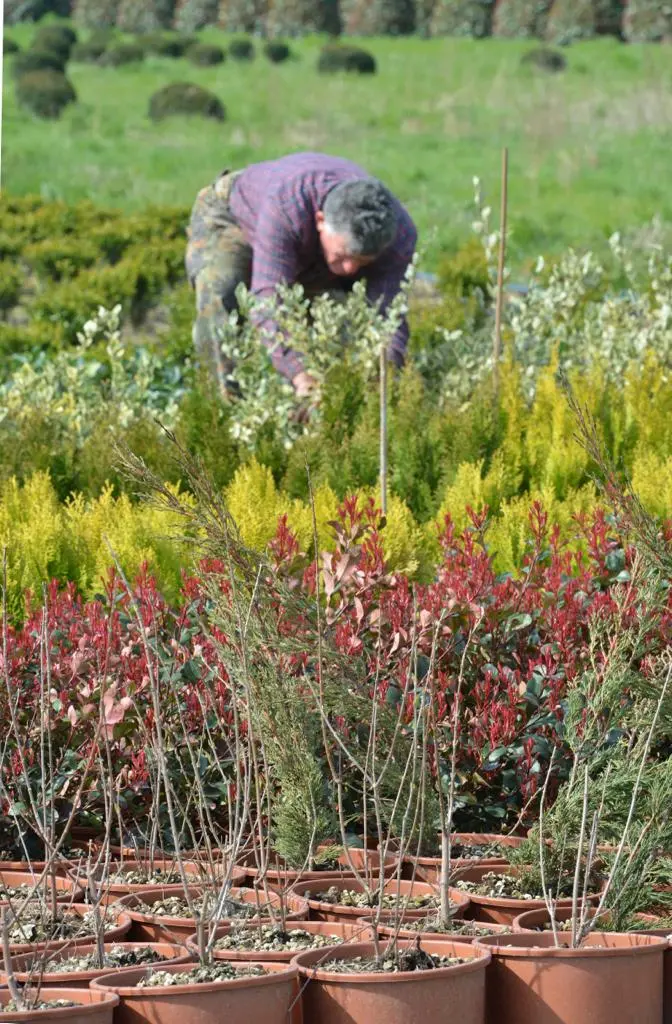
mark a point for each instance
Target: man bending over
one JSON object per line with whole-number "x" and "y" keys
{"x": 307, "y": 218}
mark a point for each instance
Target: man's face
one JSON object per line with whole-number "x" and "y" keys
{"x": 334, "y": 248}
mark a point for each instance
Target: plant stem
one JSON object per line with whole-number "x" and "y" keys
{"x": 497, "y": 344}
{"x": 383, "y": 430}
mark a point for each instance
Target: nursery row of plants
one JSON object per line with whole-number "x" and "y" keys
{"x": 559, "y": 20}
{"x": 76, "y": 386}
{"x": 313, "y": 783}
{"x": 43, "y": 88}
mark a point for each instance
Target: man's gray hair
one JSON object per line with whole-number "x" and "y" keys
{"x": 363, "y": 211}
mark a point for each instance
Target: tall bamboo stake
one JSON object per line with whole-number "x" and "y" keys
{"x": 383, "y": 430}
{"x": 497, "y": 346}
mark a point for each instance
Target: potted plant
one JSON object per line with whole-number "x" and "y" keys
{"x": 209, "y": 988}
{"x": 407, "y": 983}
{"x": 616, "y": 726}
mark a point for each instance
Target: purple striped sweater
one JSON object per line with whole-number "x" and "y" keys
{"x": 275, "y": 203}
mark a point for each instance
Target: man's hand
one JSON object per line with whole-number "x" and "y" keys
{"x": 304, "y": 384}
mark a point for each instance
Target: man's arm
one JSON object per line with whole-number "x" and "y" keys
{"x": 384, "y": 280}
{"x": 274, "y": 262}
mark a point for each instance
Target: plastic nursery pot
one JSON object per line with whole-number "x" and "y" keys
{"x": 92, "y": 1008}
{"x": 501, "y": 909}
{"x": 339, "y": 931}
{"x": 448, "y": 995}
{"x": 387, "y": 929}
{"x": 113, "y": 933}
{"x": 364, "y": 861}
{"x": 278, "y": 874}
{"x": 487, "y": 839}
{"x": 266, "y": 999}
{"x": 663, "y": 933}
{"x": 323, "y": 911}
{"x": 27, "y": 966}
{"x": 67, "y": 890}
{"x": 612, "y": 979}
{"x": 156, "y": 928}
{"x": 36, "y": 867}
{"x": 428, "y": 869}
{"x": 116, "y": 888}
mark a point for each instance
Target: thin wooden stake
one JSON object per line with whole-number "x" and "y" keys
{"x": 383, "y": 430}
{"x": 497, "y": 346}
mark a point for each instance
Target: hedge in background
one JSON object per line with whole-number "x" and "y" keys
{"x": 145, "y": 15}
{"x": 242, "y": 15}
{"x": 647, "y": 21}
{"x": 571, "y": 20}
{"x": 378, "y": 17}
{"x": 525, "y": 18}
{"x": 462, "y": 18}
{"x": 96, "y": 14}
{"x": 192, "y": 15}
{"x": 298, "y": 17}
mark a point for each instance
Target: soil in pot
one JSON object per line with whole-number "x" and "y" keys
{"x": 500, "y": 896}
{"x": 20, "y": 885}
{"x": 366, "y": 862}
{"x": 335, "y": 899}
{"x": 165, "y": 912}
{"x": 129, "y": 876}
{"x": 245, "y": 991}
{"x": 37, "y": 927}
{"x": 539, "y": 921}
{"x": 76, "y": 967}
{"x": 612, "y": 979}
{"x": 275, "y": 944}
{"x": 71, "y": 1006}
{"x": 446, "y": 984}
{"x": 429, "y": 928}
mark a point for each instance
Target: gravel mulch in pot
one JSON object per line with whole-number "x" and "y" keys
{"x": 392, "y": 961}
{"x": 220, "y": 971}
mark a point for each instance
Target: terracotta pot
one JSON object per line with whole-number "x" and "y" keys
{"x": 428, "y": 869}
{"x": 113, "y": 933}
{"x": 36, "y": 867}
{"x": 68, "y": 891}
{"x": 448, "y": 995}
{"x": 537, "y": 920}
{"x": 340, "y": 931}
{"x": 366, "y": 862}
{"x": 114, "y": 890}
{"x": 502, "y": 909}
{"x": 487, "y": 838}
{"x": 388, "y": 931}
{"x": 321, "y": 911}
{"x": 27, "y": 965}
{"x": 252, "y": 1000}
{"x": 92, "y": 1008}
{"x": 612, "y": 979}
{"x": 156, "y": 928}
{"x": 279, "y": 875}
{"x": 663, "y": 933}
{"x": 86, "y": 832}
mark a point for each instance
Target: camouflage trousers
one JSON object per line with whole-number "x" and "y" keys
{"x": 218, "y": 259}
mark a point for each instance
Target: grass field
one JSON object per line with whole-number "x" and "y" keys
{"x": 589, "y": 149}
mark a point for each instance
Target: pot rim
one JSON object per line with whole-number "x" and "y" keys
{"x": 97, "y": 1002}
{"x": 175, "y": 890}
{"x": 402, "y": 886}
{"x": 64, "y": 953}
{"x": 517, "y": 946}
{"x": 278, "y": 956}
{"x": 122, "y": 920}
{"x": 476, "y": 962}
{"x": 287, "y": 972}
